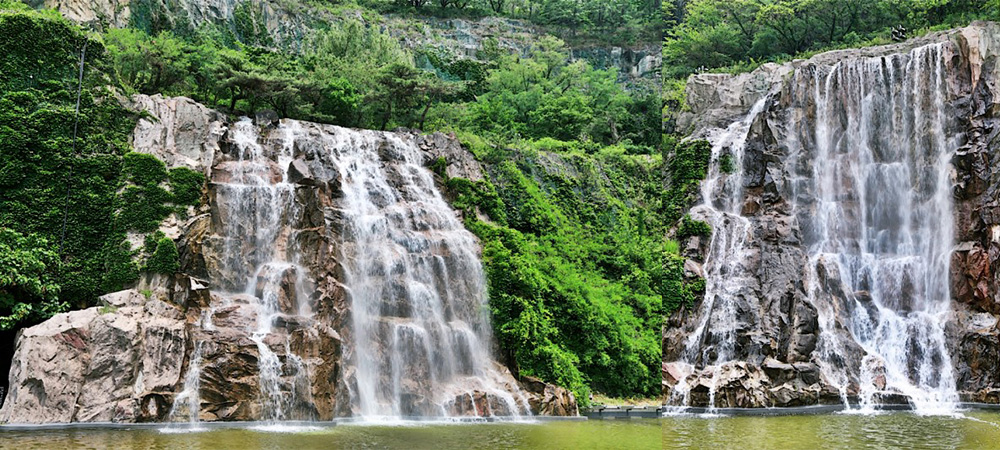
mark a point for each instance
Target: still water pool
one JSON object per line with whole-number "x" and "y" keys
{"x": 972, "y": 430}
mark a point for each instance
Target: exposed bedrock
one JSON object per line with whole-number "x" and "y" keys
{"x": 793, "y": 335}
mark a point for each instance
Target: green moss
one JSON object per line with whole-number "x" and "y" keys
{"x": 438, "y": 166}
{"x": 690, "y": 227}
{"x": 164, "y": 259}
{"x": 144, "y": 202}
{"x": 727, "y": 164}
{"x": 687, "y": 165}
{"x": 186, "y": 185}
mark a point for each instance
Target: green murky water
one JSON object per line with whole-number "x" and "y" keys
{"x": 634, "y": 434}
{"x": 901, "y": 430}
{"x": 976, "y": 430}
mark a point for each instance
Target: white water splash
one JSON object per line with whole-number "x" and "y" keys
{"x": 416, "y": 286}
{"x": 883, "y": 221}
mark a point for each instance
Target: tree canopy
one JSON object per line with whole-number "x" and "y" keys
{"x": 707, "y": 34}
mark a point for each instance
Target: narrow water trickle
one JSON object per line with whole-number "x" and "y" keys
{"x": 187, "y": 403}
{"x": 714, "y": 339}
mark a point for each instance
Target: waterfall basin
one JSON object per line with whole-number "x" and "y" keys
{"x": 976, "y": 429}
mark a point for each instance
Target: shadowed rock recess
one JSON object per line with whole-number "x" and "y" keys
{"x": 856, "y": 242}
{"x": 323, "y": 276}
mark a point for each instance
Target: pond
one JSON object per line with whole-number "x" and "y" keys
{"x": 969, "y": 430}
{"x": 595, "y": 434}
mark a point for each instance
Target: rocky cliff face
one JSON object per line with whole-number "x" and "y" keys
{"x": 279, "y": 24}
{"x": 201, "y": 344}
{"x": 465, "y": 38}
{"x": 834, "y": 271}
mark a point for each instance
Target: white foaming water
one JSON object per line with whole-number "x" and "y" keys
{"x": 421, "y": 329}
{"x": 260, "y": 205}
{"x": 419, "y": 334}
{"x": 883, "y": 220}
{"x": 187, "y": 402}
{"x": 255, "y": 205}
{"x": 714, "y": 339}
{"x": 869, "y": 165}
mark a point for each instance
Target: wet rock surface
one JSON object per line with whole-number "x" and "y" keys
{"x": 778, "y": 335}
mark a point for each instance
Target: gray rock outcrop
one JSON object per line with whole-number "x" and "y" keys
{"x": 115, "y": 363}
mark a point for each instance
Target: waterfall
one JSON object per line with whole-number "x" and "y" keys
{"x": 882, "y": 218}
{"x": 867, "y": 178}
{"x": 714, "y": 339}
{"x": 415, "y": 325}
{"x": 187, "y": 403}
{"x": 419, "y": 313}
{"x": 255, "y": 205}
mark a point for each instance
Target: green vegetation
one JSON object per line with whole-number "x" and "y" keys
{"x": 547, "y": 97}
{"x": 164, "y": 258}
{"x": 144, "y": 202}
{"x": 355, "y": 75}
{"x": 573, "y": 252}
{"x": 573, "y": 244}
{"x": 690, "y": 227}
{"x": 687, "y": 165}
{"x": 74, "y": 199}
{"x": 28, "y": 290}
{"x": 741, "y": 34}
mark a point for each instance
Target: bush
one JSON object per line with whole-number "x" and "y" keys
{"x": 574, "y": 266}
{"x": 164, "y": 259}
{"x": 28, "y": 290}
{"x": 690, "y": 227}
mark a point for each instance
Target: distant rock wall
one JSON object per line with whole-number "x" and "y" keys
{"x": 273, "y": 23}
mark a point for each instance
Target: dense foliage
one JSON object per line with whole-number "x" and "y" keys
{"x": 573, "y": 246}
{"x": 77, "y": 196}
{"x": 28, "y": 291}
{"x": 355, "y": 75}
{"x": 573, "y": 254}
{"x": 706, "y": 34}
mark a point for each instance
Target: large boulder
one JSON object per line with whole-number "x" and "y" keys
{"x": 547, "y": 399}
{"x": 115, "y": 363}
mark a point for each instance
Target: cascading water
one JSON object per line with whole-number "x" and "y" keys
{"x": 419, "y": 314}
{"x": 416, "y": 333}
{"x": 867, "y": 178}
{"x": 714, "y": 339}
{"x": 882, "y": 217}
{"x": 187, "y": 402}
{"x": 255, "y": 205}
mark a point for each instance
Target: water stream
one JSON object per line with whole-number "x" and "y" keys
{"x": 419, "y": 339}
{"x": 883, "y": 220}
{"x": 870, "y": 179}
{"x": 417, "y": 290}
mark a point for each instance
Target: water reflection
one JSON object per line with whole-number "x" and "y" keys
{"x": 971, "y": 430}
